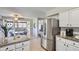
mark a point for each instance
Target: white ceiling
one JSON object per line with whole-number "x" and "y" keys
{"x": 30, "y": 11}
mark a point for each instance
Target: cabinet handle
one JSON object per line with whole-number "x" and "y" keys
{"x": 22, "y": 48}
{"x": 67, "y": 24}
{"x": 22, "y": 43}
{"x": 73, "y": 43}
{"x": 67, "y": 46}
{"x": 64, "y": 45}
{"x": 6, "y": 49}
{"x": 70, "y": 25}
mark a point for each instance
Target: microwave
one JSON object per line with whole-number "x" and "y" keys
{"x": 69, "y": 32}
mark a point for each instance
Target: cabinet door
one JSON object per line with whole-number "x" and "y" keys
{"x": 60, "y": 44}
{"x": 74, "y": 17}
{"x": 64, "y": 19}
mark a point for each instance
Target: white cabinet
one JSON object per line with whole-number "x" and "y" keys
{"x": 8, "y": 48}
{"x": 60, "y": 44}
{"x": 69, "y": 18}
{"x": 19, "y": 49}
{"x": 21, "y": 46}
{"x": 4, "y": 48}
{"x": 18, "y": 45}
{"x": 74, "y": 17}
{"x": 71, "y": 48}
{"x": 66, "y": 45}
{"x": 26, "y": 46}
{"x": 27, "y": 43}
{"x": 11, "y": 47}
{"x": 64, "y": 19}
{"x": 72, "y": 45}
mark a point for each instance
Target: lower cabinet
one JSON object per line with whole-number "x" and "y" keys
{"x": 8, "y": 48}
{"x": 60, "y": 44}
{"x": 4, "y": 49}
{"x": 23, "y": 46}
{"x": 66, "y": 45}
{"x": 18, "y": 49}
{"x": 71, "y": 48}
{"x": 11, "y": 47}
{"x": 18, "y": 45}
{"x": 26, "y": 48}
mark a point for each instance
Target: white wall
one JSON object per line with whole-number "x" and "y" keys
{"x": 58, "y": 10}
{"x": 75, "y": 30}
{"x": 26, "y": 13}
{"x": 5, "y": 12}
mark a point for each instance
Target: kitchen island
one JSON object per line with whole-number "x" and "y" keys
{"x": 19, "y": 43}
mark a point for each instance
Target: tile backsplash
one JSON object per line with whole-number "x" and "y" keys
{"x": 75, "y": 30}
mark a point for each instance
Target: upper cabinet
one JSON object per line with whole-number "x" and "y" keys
{"x": 74, "y": 17}
{"x": 69, "y": 18}
{"x": 64, "y": 19}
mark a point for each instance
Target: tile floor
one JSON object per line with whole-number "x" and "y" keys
{"x": 35, "y": 45}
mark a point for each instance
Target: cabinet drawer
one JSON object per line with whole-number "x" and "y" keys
{"x": 61, "y": 39}
{"x": 18, "y": 45}
{"x": 4, "y": 48}
{"x": 69, "y": 42}
{"x": 27, "y": 48}
{"x": 27, "y": 43}
{"x": 8, "y": 48}
{"x": 76, "y": 44}
{"x": 11, "y": 47}
{"x": 73, "y": 43}
{"x": 19, "y": 49}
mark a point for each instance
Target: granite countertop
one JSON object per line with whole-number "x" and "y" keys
{"x": 15, "y": 41}
{"x": 70, "y": 38}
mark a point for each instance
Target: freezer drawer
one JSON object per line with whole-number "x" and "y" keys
{"x": 44, "y": 43}
{"x": 50, "y": 45}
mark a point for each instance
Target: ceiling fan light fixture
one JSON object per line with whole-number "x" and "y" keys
{"x": 16, "y": 17}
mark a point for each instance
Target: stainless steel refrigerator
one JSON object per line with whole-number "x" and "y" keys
{"x": 50, "y": 30}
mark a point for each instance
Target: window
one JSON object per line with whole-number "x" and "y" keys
{"x": 16, "y": 25}
{"x": 20, "y": 25}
